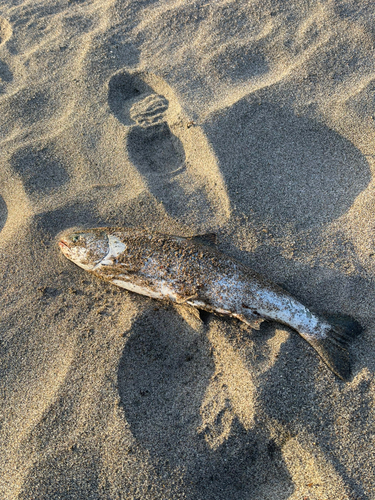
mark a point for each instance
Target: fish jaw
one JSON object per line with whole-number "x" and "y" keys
{"x": 86, "y": 248}
{"x": 64, "y": 247}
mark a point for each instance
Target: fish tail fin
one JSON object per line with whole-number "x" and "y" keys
{"x": 333, "y": 348}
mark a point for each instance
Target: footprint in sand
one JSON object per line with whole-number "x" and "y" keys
{"x": 175, "y": 160}
{"x": 151, "y": 145}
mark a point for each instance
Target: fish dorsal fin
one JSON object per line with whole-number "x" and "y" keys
{"x": 204, "y": 239}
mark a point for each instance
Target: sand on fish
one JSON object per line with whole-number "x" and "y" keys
{"x": 253, "y": 120}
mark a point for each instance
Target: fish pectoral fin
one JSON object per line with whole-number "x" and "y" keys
{"x": 251, "y": 320}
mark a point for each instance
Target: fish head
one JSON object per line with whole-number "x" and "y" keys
{"x": 86, "y": 248}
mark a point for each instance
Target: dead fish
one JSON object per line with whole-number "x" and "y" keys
{"x": 184, "y": 270}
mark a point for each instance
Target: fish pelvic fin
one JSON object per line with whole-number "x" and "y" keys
{"x": 182, "y": 299}
{"x": 333, "y": 348}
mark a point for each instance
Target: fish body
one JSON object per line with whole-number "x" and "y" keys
{"x": 183, "y": 270}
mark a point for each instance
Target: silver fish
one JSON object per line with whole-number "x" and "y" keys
{"x": 183, "y": 270}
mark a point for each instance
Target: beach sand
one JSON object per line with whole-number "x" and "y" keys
{"x": 254, "y": 120}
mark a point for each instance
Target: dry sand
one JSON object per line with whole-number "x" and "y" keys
{"x": 253, "y": 119}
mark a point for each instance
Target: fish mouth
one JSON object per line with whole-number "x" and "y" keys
{"x": 64, "y": 247}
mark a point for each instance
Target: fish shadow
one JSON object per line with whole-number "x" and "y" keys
{"x": 285, "y": 169}
{"x": 163, "y": 376}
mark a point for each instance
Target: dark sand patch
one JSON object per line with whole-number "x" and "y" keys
{"x": 39, "y": 169}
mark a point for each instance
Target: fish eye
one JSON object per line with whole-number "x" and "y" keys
{"x": 75, "y": 238}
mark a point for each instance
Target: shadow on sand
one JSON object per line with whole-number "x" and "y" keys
{"x": 285, "y": 169}
{"x": 163, "y": 376}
